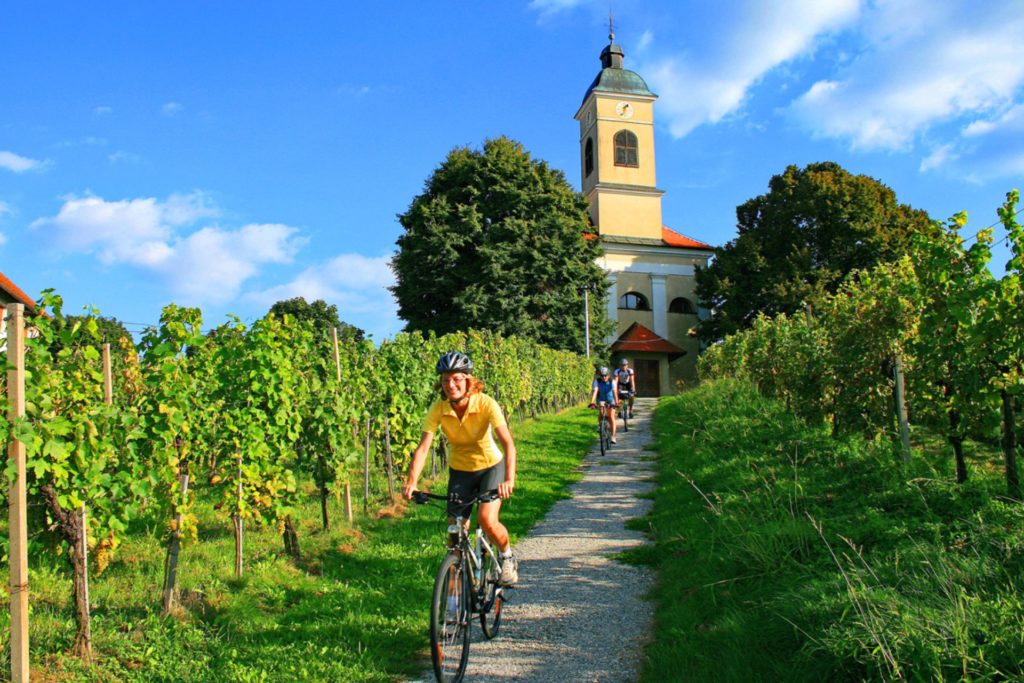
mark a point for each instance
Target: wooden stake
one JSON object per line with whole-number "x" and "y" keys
{"x": 108, "y": 378}
{"x": 337, "y": 356}
{"x": 348, "y": 502}
{"x": 18, "y": 503}
{"x": 366, "y": 471}
{"x": 901, "y": 408}
{"x": 389, "y": 462}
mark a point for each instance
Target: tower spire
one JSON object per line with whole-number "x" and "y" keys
{"x": 611, "y": 28}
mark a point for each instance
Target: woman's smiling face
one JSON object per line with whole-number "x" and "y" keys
{"x": 454, "y": 385}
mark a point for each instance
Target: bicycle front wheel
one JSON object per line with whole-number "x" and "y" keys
{"x": 449, "y": 620}
{"x": 604, "y": 434}
{"x": 491, "y": 596}
{"x": 625, "y": 417}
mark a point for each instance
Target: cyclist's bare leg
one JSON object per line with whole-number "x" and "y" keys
{"x": 487, "y": 517}
{"x": 611, "y": 419}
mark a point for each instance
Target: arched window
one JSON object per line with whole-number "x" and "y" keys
{"x": 634, "y": 302}
{"x": 588, "y": 158}
{"x": 625, "y": 149}
{"x": 681, "y": 305}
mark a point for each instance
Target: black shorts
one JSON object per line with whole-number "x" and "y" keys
{"x": 469, "y": 485}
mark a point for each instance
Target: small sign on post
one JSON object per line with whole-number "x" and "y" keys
{"x": 18, "y": 498}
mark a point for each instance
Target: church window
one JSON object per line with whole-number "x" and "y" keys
{"x": 634, "y": 302}
{"x": 588, "y": 158}
{"x": 681, "y": 305}
{"x": 626, "y": 153}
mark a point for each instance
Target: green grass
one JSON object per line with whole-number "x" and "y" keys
{"x": 353, "y": 609}
{"x": 785, "y": 555}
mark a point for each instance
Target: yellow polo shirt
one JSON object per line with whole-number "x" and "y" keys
{"x": 472, "y": 439}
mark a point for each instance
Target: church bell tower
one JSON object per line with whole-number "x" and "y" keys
{"x": 617, "y": 150}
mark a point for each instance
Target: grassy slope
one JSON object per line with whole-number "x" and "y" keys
{"x": 748, "y": 589}
{"x": 354, "y": 610}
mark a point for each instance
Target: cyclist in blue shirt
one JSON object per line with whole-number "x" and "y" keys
{"x": 605, "y": 390}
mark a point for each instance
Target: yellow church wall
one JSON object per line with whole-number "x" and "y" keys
{"x": 627, "y": 215}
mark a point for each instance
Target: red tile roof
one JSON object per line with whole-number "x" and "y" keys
{"x": 14, "y": 292}
{"x": 639, "y": 338}
{"x": 675, "y": 239}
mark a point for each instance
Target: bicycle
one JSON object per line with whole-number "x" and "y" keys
{"x": 603, "y": 427}
{"x": 466, "y": 584}
{"x": 624, "y": 397}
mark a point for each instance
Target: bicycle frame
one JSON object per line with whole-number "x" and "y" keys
{"x": 473, "y": 553}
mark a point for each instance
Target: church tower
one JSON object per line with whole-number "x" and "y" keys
{"x": 650, "y": 267}
{"x": 617, "y": 150}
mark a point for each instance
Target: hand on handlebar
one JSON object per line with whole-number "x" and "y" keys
{"x": 592, "y": 406}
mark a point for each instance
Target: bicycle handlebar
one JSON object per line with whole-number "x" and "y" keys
{"x": 422, "y": 497}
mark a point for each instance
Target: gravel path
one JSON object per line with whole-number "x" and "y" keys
{"x": 578, "y": 615}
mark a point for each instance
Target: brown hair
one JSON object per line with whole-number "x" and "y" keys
{"x": 474, "y": 385}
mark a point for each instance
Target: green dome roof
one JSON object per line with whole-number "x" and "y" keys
{"x": 614, "y": 78}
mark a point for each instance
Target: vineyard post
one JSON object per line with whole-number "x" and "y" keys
{"x": 901, "y": 407}
{"x": 239, "y": 522}
{"x": 389, "y": 461}
{"x": 17, "y": 497}
{"x": 348, "y": 502}
{"x": 1010, "y": 444}
{"x": 366, "y": 471}
{"x": 337, "y": 356}
{"x": 108, "y": 378}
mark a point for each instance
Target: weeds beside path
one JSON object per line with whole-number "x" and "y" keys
{"x": 785, "y": 555}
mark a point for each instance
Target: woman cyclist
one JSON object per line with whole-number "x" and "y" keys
{"x": 604, "y": 390}
{"x": 470, "y": 419}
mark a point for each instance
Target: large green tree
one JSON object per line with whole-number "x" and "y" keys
{"x": 799, "y": 240}
{"x": 322, "y": 315}
{"x": 500, "y": 241}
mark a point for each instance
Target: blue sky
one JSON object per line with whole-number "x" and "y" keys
{"x": 228, "y": 155}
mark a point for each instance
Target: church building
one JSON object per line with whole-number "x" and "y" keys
{"x": 650, "y": 267}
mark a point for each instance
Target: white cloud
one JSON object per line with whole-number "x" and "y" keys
{"x": 171, "y": 108}
{"x": 923, "y": 64}
{"x": 550, "y": 7}
{"x": 90, "y": 141}
{"x": 19, "y": 164}
{"x": 3, "y": 239}
{"x": 100, "y": 111}
{"x": 355, "y": 283}
{"x": 204, "y": 265}
{"x": 938, "y": 158}
{"x": 122, "y": 157}
{"x": 707, "y": 82}
{"x": 5, "y": 208}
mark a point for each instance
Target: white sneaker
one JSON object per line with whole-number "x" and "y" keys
{"x": 613, "y": 440}
{"x": 509, "y": 571}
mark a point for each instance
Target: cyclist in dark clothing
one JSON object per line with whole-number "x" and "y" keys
{"x": 626, "y": 378}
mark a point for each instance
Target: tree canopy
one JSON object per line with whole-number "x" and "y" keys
{"x": 799, "y": 240}
{"x": 322, "y": 315}
{"x": 499, "y": 241}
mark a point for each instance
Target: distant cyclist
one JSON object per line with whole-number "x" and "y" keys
{"x": 470, "y": 419}
{"x": 626, "y": 379}
{"x": 604, "y": 391}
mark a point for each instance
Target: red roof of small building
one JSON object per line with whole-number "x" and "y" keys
{"x": 639, "y": 338}
{"x": 675, "y": 239}
{"x": 13, "y": 291}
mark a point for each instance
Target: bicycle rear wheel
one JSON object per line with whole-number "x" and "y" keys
{"x": 449, "y": 620}
{"x": 491, "y": 596}
{"x": 625, "y": 417}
